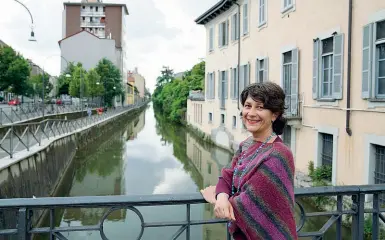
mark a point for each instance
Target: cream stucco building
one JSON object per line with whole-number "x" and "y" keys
{"x": 331, "y": 65}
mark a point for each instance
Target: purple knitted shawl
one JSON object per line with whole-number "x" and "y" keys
{"x": 264, "y": 206}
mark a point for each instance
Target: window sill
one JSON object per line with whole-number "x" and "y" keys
{"x": 245, "y": 36}
{"x": 287, "y": 11}
{"x": 211, "y": 51}
{"x": 330, "y": 102}
{"x": 377, "y": 100}
{"x": 223, "y": 47}
{"x": 262, "y": 26}
{"x": 326, "y": 100}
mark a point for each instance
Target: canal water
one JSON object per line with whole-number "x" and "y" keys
{"x": 147, "y": 156}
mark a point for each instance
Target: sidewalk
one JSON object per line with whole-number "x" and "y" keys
{"x": 29, "y": 138}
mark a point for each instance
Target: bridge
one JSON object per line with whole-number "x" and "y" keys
{"x": 26, "y": 208}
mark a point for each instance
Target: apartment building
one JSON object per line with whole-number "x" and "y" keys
{"x": 331, "y": 65}
{"x": 106, "y": 25}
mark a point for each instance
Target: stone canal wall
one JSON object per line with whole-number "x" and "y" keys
{"x": 39, "y": 173}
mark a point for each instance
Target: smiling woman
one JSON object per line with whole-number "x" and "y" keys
{"x": 256, "y": 192}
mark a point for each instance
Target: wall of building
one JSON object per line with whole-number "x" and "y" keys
{"x": 114, "y": 23}
{"x": 72, "y": 20}
{"x": 87, "y": 49}
{"x": 291, "y": 30}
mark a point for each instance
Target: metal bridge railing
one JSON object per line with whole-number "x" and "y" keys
{"x": 24, "y": 112}
{"x": 26, "y": 208}
{"x": 18, "y": 137}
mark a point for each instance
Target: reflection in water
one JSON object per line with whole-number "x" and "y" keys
{"x": 146, "y": 156}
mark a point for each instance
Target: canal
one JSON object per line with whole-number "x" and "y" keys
{"x": 148, "y": 155}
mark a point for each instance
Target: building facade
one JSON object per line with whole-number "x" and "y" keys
{"x": 136, "y": 86}
{"x": 105, "y": 21}
{"x": 331, "y": 65}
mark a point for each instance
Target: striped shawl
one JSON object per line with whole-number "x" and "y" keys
{"x": 264, "y": 206}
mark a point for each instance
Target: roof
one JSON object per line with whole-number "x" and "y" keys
{"x": 214, "y": 11}
{"x": 76, "y": 34}
{"x": 97, "y": 3}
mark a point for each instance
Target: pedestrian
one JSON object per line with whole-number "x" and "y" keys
{"x": 256, "y": 191}
{"x": 89, "y": 111}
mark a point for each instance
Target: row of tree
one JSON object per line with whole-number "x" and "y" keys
{"x": 170, "y": 94}
{"x": 102, "y": 81}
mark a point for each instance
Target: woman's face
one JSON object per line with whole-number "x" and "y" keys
{"x": 257, "y": 119}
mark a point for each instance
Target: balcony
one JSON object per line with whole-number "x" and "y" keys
{"x": 293, "y": 110}
{"x": 92, "y": 13}
{"x": 92, "y": 24}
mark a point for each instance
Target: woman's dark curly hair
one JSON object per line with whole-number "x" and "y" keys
{"x": 273, "y": 98}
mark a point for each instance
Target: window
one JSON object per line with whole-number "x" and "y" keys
{"x": 210, "y": 89}
{"x": 245, "y": 13}
{"x": 96, "y": 9}
{"x": 290, "y": 81}
{"x": 234, "y": 83}
{"x": 327, "y": 149}
{"x": 244, "y": 77}
{"x": 234, "y": 122}
{"x": 222, "y": 118}
{"x": 287, "y": 4}
{"x": 262, "y": 12}
{"x": 235, "y": 27}
{"x": 210, "y": 117}
{"x": 211, "y": 39}
{"x": 328, "y": 67}
{"x": 222, "y": 89}
{"x": 379, "y": 172}
{"x": 373, "y": 61}
{"x": 287, "y": 136}
{"x": 261, "y": 70}
{"x": 223, "y": 35}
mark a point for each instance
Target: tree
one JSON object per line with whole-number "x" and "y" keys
{"x": 14, "y": 71}
{"x": 111, "y": 79}
{"x": 78, "y": 86}
{"x": 63, "y": 81}
{"x": 96, "y": 88}
{"x": 36, "y": 85}
{"x": 170, "y": 96}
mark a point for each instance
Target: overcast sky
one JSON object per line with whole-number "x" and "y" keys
{"x": 159, "y": 32}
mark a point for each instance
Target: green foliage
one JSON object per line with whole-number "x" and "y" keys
{"x": 64, "y": 81}
{"x": 322, "y": 173}
{"x": 170, "y": 95}
{"x": 95, "y": 87}
{"x": 78, "y": 85}
{"x": 110, "y": 77}
{"x": 36, "y": 86}
{"x": 368, "y": 224}
{"x": 14, "y": 71}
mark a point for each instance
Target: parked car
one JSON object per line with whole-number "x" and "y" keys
{"x": 14, "y": 102}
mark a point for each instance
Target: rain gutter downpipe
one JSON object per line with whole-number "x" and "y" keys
{"x": 239, "y": 50}
{"x": 348, "y": 97}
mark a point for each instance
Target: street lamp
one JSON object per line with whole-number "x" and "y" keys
{"x": 32, "y": 37}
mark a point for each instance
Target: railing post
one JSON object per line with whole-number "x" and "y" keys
{"x": 188, "y": 221}
{"x": 22, "y": 225}
{"x": 358, "y": 216}
{"x": 11, "y": 142}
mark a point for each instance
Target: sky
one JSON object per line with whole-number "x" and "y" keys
{"x": 159, "y": 33}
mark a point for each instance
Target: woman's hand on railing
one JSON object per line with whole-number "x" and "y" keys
{"x": 209, "y": 194}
